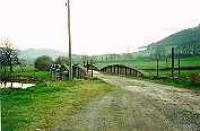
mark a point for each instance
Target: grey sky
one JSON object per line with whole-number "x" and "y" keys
{"x": 98, "y": 26}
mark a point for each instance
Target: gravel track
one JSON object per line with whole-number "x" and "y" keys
{"x": 138, "y": 106}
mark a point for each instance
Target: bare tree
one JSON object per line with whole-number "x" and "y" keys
{"x": 8, "y": 54}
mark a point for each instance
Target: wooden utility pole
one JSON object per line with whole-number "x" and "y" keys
{"x": 69, "y": 37}
{"x": 173, "y": 64}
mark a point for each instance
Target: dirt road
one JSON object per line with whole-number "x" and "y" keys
{"x": 138, "y": 106}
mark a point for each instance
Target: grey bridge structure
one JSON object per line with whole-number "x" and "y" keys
{"x": 122, "y": 70}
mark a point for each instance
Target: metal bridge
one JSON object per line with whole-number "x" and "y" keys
{"x": 122, "y": 70}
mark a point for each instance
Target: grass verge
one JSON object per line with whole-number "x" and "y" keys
{"x": 47, "y": 104}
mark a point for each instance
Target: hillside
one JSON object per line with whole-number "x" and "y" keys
{"x": 191, "y": 35}
{"x": 187, "y": 41}
{"x": 31, "y": 54}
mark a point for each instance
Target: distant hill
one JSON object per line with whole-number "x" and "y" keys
{"x": 29, "y": 55}
{"x": 186, "y": 41}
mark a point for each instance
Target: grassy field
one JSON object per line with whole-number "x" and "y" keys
{"x": 44, "y": 105}
{"x": 151, "y": 64}
{"x": 167, "y": 73}
{"x": 148, "y": 67}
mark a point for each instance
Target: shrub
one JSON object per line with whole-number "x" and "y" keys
{"x": 43, "y": 63}
{"x": 195, "y": 78}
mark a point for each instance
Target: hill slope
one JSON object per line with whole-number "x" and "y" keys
{"x": 30, "y": 55}
{"x": 191, "y": 35}
{"x": 187, "y": 41}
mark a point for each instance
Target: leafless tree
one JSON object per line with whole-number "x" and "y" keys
{"x": 8, "y": 54}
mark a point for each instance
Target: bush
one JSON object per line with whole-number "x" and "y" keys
{"x": 195, "y": 78}
{"x": 4, "y": 74}
{"x": 43, "y": 63}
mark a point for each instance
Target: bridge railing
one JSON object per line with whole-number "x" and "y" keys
{"x": 122, "y": 70}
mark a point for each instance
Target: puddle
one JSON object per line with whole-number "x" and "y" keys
{"x": 15, "y": 85}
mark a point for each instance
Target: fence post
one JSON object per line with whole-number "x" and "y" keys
{"x": 125, "y": 71}
{"x": 179, "y": 67}
{"x": 92, "y": 73}
{"x": 173, "y": 64}
{"x": 79, "y": 76}
{"x": 157, "y": 67}
{"x": 118, "y": 70}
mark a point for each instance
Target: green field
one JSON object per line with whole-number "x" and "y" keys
{"x": 39, "y": 107}
{"x": 189, "y": 73}
{"x": 148, "y": 66}
{"x": 151, "y": 64}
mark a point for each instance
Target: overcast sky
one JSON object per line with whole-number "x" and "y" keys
{"x": 98, "y": 26}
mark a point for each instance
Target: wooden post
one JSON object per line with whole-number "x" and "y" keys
{"x": 157, "y": 68}
{"x": 79, "y": 73}
{"x": 173, "y": 64}
{"x": 87, "y": 66}
{"x": 118, "y": 70}
{"x": 179, "y": 67}
{"x": 92, "y": 72}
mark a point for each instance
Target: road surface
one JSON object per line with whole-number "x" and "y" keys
{"x": 138, "y": 106}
